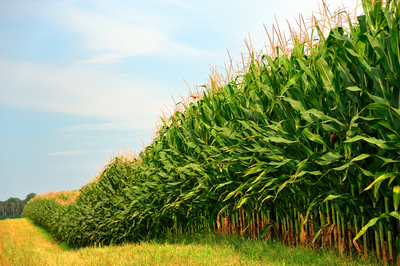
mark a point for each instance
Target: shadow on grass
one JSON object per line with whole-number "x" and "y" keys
{"x": 49, "y": 236}
{"x": 271, "y": 250}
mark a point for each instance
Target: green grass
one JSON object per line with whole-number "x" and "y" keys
{"x": 24, "y": 243}
{"x": 44, "y": 233}
{"x": 268, "y": 251}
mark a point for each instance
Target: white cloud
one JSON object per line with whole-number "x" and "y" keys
{"x": 102, "y": 127}
{"x": 117, "y": 30}
{"x": 82, "y": 91}
{"x": 107, "y": 31}
{"x": 114, "y": 38}
{"x": 69, "y": 153}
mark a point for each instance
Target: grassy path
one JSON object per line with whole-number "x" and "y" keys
{"x": 22, "y": 243}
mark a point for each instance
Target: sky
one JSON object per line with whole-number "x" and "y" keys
{"x": 82, "y": 79}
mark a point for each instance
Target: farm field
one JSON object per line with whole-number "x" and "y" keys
{"x": 301, "y": 147}
{"x": 23, "y": 243}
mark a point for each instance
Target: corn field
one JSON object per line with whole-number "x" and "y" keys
{"x": 302, "y": 147}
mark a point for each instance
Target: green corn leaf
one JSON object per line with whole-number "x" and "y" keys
{"x": 291, "y": 81}
{"x": 345, "y": 166}
{"x": 280, "y": 140}
{"x": 372, "y": 222}
{"x": 269, "y": 183}
{"x": 387, "y": 145}
{"x": 323, "y": 117}
{"x": 396, "y": 197}
{"x": 267, "y": 197}
{"x": 395, "y": 214}
{"x": 279, "y": 164}
{"x": 326, "y": 75}
{"x": 331, "y": 157}
{"x": 313, "y": 137}
{"x": 353, "y": 88}
{"x": 329, "y": 128}
{"x": 332, "y": 197}
{"x": 265, "y": 230}
{"x": 241, "y": 202}
{"x": 230, "y": 195}
{"x": 371, "y": 140}
{"x": 306, "y": 69}
{"x": 223, "y": 184}
{"x": 260, "y": 176}
{"x": 223, "y": 209}
{"x": 387, "y": 160}
{"x": 296, "y": 105}
{"x": 360, "y": 157}
{"x": 380, "y": 179}
{"x": 382, "y": 106}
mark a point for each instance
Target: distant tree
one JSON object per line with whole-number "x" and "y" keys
{"x": 2, "y": 208}
{"x": 30, "y": 196}
{"x": 13, "y": 207}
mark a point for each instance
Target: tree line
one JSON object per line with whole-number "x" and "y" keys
{"x": 13, "y": 207}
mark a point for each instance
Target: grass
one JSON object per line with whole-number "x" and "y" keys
{"x": 24, "y": 243}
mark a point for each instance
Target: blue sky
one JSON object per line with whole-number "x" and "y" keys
{"x": 80, "y": 78}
